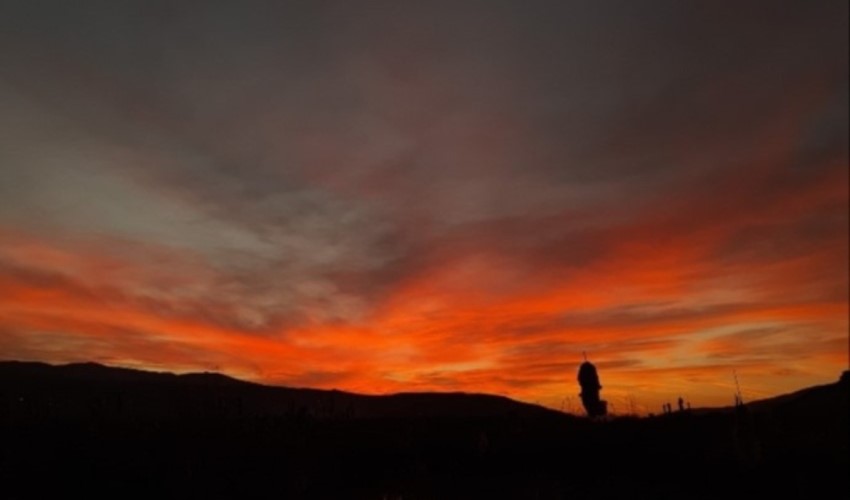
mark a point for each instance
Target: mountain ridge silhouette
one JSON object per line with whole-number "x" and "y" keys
{"x": 91, "y": 380}
{"x": 43, "y": 376}
{"x": 95, "y": 430}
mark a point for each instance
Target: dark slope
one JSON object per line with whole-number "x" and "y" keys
{"x": 819, "y": 399}
{"x": 82, "y": 388}
{"x": 101, "y": 432}
{"x": 137, "y": 388}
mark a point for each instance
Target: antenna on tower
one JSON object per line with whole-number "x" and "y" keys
{"x": 584, "y": 353}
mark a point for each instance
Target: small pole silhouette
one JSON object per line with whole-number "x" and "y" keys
{"x": 739, "y": 400}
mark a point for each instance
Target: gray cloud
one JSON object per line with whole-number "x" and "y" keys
{"x": 316, "y": 155}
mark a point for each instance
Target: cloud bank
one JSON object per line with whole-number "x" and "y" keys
{"x": 440, "y": 196}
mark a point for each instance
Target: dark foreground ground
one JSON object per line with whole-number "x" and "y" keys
{"x": 66, "y": 435}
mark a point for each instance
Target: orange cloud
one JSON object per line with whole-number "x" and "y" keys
{"x": 412, "y": 216}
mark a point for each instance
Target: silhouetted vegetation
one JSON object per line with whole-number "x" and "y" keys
{"x": 120, "y": 433}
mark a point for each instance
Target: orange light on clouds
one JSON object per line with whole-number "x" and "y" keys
{"x": 414, "y": 199}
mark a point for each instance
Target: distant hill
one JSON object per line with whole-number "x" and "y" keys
{"x": 815, "y": 400}
{"x": 823, "y": 403}
{"x": 810, "y": 397}
{"x": 92, "y": 430}
{"x": 84, "y": 389}
{"x": 64, "y": 387}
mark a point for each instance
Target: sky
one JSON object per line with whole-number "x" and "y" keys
{"x": 391, "y": 196}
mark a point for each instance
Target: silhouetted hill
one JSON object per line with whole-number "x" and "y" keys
{"x": 813, "y": 398}
{"x": 816, "y": 399}
{"x": 87, "y": 429}
{"x": 83, "y": 388}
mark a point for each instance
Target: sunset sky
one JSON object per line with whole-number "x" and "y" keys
{"x": 437, "y": 195}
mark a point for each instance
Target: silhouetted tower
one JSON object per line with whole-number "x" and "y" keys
{"x": 588, "y": 379}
